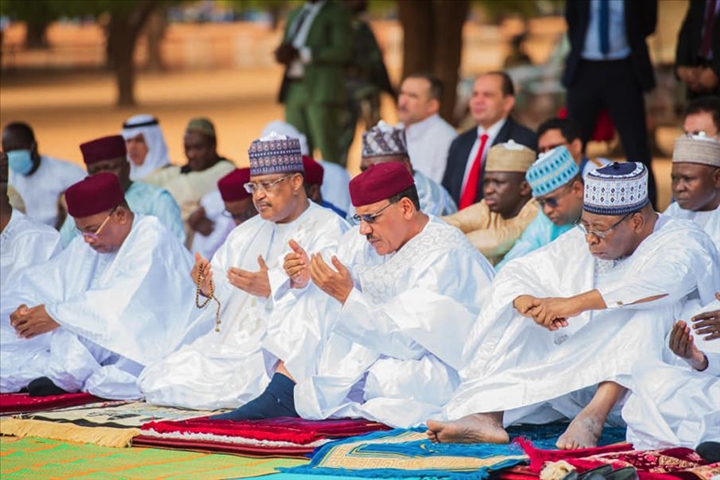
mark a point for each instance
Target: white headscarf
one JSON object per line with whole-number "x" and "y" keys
{"x": 286, "y": 129}
{"x": 157, "y": 155}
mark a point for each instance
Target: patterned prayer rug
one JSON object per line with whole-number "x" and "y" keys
{"x": 40, "y": 458}
{"x": 277, "y": 436}
{"x": 23, "y": 402}
{"x": 408, "y": 454}
{"x": 650, "y": 464}
{"x": 110, "y": 423}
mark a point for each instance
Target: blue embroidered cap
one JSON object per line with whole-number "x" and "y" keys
{"x": 551, "y": 171}
{"x": 616, "y": 189}
{"x": 275, "y": 154}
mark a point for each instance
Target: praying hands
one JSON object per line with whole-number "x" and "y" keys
{"x": 296, "y": 266}
{"x": 254, "y": 283}
{"x": 336, "y": 283}
{"x": 31, "y": 322}
{"x": 708, "y": 323}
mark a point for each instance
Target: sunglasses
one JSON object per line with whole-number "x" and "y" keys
{"x": 370, "y": 218}
{"x": 94, "y": 235}
{"x": 602, "y": 234}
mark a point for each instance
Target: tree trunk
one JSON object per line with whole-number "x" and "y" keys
{"x": 36, "y": 35}
{"x": 448, "y": 52}
{"x": 123, "y": 30}
{"x": 432, "y": 42}
{"x": 156, "y": 28}
{"x": 416, "y": 18}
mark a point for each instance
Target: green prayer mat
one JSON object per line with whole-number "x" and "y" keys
{"x": 40, "y": 458}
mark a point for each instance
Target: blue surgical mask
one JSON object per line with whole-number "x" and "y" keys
{"x": 20, "y": 161}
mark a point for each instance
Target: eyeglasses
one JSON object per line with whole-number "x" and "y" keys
{"x": 370, "y": 218}
{"x": 601, "y": 234}
{"x": 240, "y": 217}
{"x": 96, "y": 234}
{"x": 552, "y": 202}
{"x": 252, "y": 187}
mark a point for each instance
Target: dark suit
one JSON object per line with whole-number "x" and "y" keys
{"x": 690, "y": 38}
{"x": 460, "y": 151}
{"x": 617, "y": 85}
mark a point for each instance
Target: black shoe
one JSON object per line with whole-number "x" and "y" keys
{"x": 597, "y": 473}
{"x": 44, "y": 387}
{"x": 709, "y": 451}
{"x": 627, "y": 473}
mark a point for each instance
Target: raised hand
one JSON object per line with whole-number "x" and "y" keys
{"x": 707, "y": 324}
{"x": 337, "y": 283}
{"x": 683, "y": 345}
{"x": 296, "y": 264}
{"x": 254, "y": 283}
{"x": 201, "y": 274}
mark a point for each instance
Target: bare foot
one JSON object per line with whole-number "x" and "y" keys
{"x": 475, "y": 428}
{"x": 583, "y": 432}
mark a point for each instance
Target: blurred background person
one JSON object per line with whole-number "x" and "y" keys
{"x": 146, "y": 147}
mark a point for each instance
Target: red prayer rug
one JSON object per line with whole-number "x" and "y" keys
{"x": 22, "y": 402}
{"x": 665, "y": 464}
{"x": 270, "y": 437}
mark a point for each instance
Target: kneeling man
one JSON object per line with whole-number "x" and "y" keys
{"x": 407, "y": 286}
{"x": 571, "y": 319}
{"x": 93, "y": 316}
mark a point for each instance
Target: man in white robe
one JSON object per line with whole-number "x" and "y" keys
{"x": 23, "y": 242}
{"x": 384, "y": 143}
{"x": 108, "y": 154}
{"x": 675, "y": 402}
{"x": 577, "y": 314}
{"x": 115, "y": 300}
{"x": 696, "y": 182}
{"x": 405, "y": 286}
{"x": 39, "y": 179}
{"x": 229, "y": 365}
{"x": 147, "y": 150}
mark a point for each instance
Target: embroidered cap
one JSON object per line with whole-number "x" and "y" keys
{"x": 509, "y": 157}
{"x": 94, "y": 194}
{"x": 616, "y": 189}
{"x": 551, "y": 171}
{"x": 379, "y": 182}
{"x": 275, "y": 154}
{"x": 103, "y": 148}
{"x": 697, "y": 149}
{"x": 314, "y": 172}
{"x": 232, "y": 185}
{"x": 384, "y": 140}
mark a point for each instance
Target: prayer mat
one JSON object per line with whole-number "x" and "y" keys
{"x": 22, "y": 402}
{"x": 274, "y": 436}
{"x": 110, "y": 424}
{"x": 662, "y": 464}
{"x": 409, "y": 454}
{"x": 41, "y": 458}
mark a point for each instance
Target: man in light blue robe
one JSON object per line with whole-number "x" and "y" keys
{"x": 109, "y": 154}
{"x": 558, "y": 189}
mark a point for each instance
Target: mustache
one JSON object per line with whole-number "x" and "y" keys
{"x": 370, "y": 237}
{"x": 263, "y": 203}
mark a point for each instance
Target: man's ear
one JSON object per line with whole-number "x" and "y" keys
{"x": 525, "y": 189}
{"x": 122, "y": 214}
{"x": 408, "y": 208}
{"x": 716, "y": 177}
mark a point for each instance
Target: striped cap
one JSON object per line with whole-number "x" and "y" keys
{"x": 697, "y": 149}
{"x": 551, "y": 171}
{"x": 616, "y": 189}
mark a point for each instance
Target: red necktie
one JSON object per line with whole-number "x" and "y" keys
{"x": 468, "y": 195}
{"x": 708, "y": 28}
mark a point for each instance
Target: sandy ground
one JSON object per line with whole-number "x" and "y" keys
{"x": 223, "y": 72}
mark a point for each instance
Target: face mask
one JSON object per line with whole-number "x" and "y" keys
{"x": 20, "y": 161}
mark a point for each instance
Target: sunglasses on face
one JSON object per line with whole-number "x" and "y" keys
{"x": 370, "y": 218}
